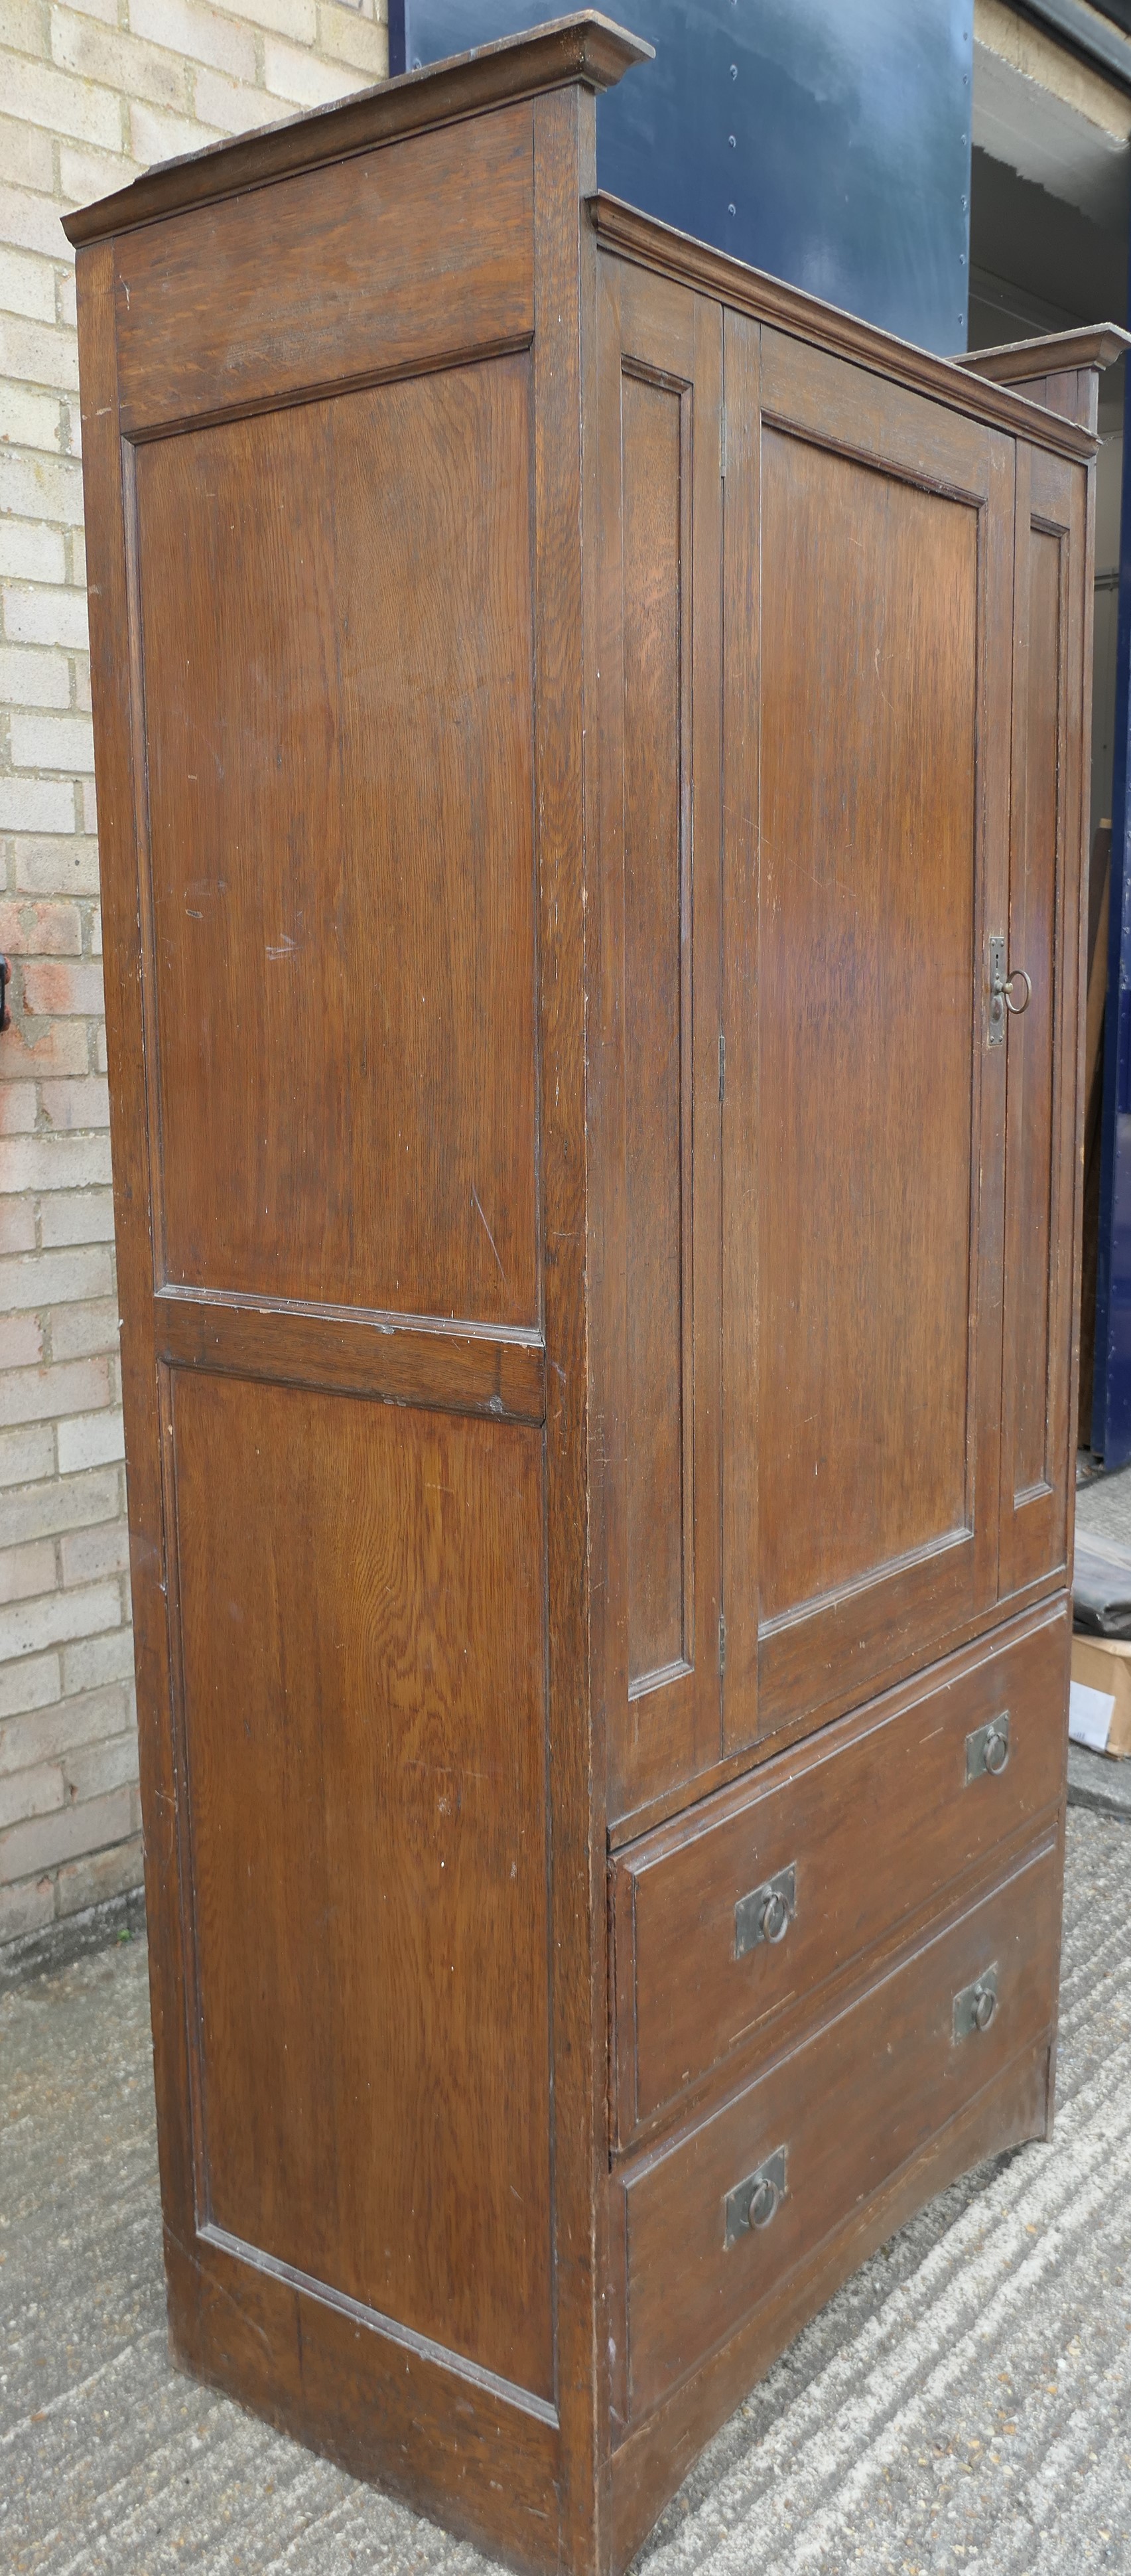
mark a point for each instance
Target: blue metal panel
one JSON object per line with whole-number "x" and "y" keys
{"x": 825, "y": 140}
{"x": 1111, "y": 1401}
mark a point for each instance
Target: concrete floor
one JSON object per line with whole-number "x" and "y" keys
{"x": 964, "y": 2404}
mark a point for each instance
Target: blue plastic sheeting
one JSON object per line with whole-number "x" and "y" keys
{"x": 825, "y": 140}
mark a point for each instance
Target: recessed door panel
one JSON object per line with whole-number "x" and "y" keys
{"x": 337, "y": 640}
{"x": 1040, "y": 1031}
{"x": 362, "y": 1653}
{"x": 658, "y": 1164}
{"x": 856, "y": 875}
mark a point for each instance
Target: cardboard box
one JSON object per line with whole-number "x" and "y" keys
{"x": 1101, "y": 1671}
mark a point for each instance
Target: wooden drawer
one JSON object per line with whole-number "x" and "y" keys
{"x": 875, "y": 1817}
{"x": 845, "y": 2110}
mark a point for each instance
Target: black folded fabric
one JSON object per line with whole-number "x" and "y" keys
{"x": 1101, "y": 1595}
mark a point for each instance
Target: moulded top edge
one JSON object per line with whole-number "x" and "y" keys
{"x": 585, "y": 47}
{"x": 651, "y": 244}
{"x": 1097, "y": 344}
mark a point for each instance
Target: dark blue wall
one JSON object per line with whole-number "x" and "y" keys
{"x": 825, "y": 140}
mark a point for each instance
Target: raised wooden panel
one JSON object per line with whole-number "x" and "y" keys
{"x": 331, "y": 274}
{"x": 1032, "y": 939}
{"x": 655, "y": 431}
{"x": 655, "y": 1086}
{"x": 867, "y": 1009}
{"x": 362, "y": 1641}
{"x": 867, "y": 797}
{"x": 1040, "y": 1167}
{"x": 336, "y": 624}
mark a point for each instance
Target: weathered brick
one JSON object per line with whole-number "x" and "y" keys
{"x": 17, "y": 1224}
{"x": 34, "y": 1793}
{"x": 44, "y": 1047}
{"x": 27, "y": 1571}
{"x": 42, "y": 1394}
{"x": 27, "y": 1627}
{"x": 36, "y": 805}
{"x": 118, "y": 59}
{"x": 27, "y": 418}
{"x": 40, "y": 487}
{"x": 103, "y": 1874}
{"x": 348, "y": 38}
{"x": 302, "y": 79}
{"x": 45, "y": 1840}
{"x": 85, "y": 1331}
{"x": 32, "y": 551}
{"x": 30, "y": 222}
{"x": 56, "y": 866}
{"x": 26, "y": 155}
{"x": 26, "y": 1908}
{"x": 22, "y": 26}
{"x": 71, "y": 1105}
{"x": 99, "y": 1767}
{"x": 54, "y": 1162}
{"x": 26, "y": 1453}
{"x": 34, "y": 676}
{"x": 47, "y": 614}
{"x": 197, "y": 32}
{"x": 66, "y": 1726}
{"x": 17, "y": 1110}
{"x": 157, "y": 136}
{"x": 32, "y": 1685}
{"x": 227, "y": 104}
{"x": 55, "y": 1278}
{"x": 297, "y": 18}
{"x": 39, "y": 352}
{"x": 43, "y": 95}
{"x": 86, "y": 173}
{"x": 90, "y": 1553}
{"x": 91, "y": 1439}
{"x": 41, "y": 929}
{"x": 81, "y": 1216}
{"x": 51, "y": 741}
{"x": 27, "y": 284}
{"x": 54, "y": 990}
{"x": 23, "y": 1342}
{"x": 97, "y": 1659}
{"x": 41, "y": 1511}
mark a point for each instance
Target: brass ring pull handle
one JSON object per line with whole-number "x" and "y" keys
{"x": 984, "y": 2007}
{"x": 997, "y": 1750}
{"x": 764, "y": 2202}
{"x": 1018, "y": 976}
{"x": 776, "y": 1917}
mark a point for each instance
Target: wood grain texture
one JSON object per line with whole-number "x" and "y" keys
{"x": 584, "y": 47}
{"x": 331, "y": 275}
{"x": 340, "y": 739}
{"x": 661, "y": 649}
{"x": 362, "y": 1637}
{"x": 644, "y": 242}
{"x": 854, "y": 2104}
{"x": 645, "y": 2470}
{"x": 656, "y": 467}
{"x": 685, "y": 2001}
{"x": 392, "y": 1356}
{"x": 880, "y": 817}
{"x": 1045, "y": 1097}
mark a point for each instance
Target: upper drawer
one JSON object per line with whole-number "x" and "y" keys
{"x": 873, "y": 1818}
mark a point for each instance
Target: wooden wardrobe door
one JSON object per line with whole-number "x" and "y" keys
{"x": 1046, "y": 839}
{"x": 866, "y": 801}
{"x": 661, "y": 364}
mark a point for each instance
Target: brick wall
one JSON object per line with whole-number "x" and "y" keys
{"x": 89, "y": 95}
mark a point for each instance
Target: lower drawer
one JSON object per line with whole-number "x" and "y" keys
{"x": 864, "y": 1825}
{"x": 828, "y": 2126}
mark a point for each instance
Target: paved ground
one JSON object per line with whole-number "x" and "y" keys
{"x": 965, "y": 2404}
